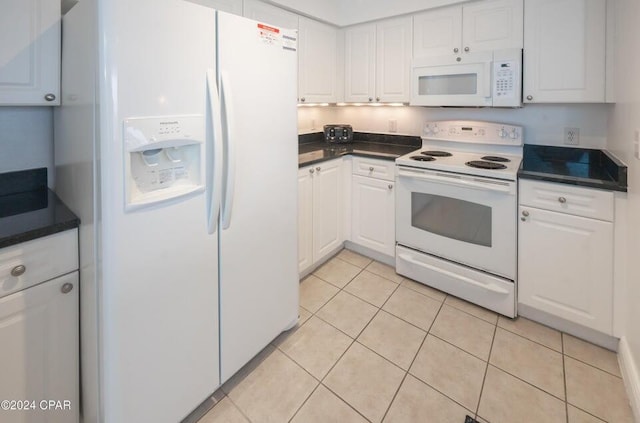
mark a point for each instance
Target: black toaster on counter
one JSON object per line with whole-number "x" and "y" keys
{"x": 338, "y": 133}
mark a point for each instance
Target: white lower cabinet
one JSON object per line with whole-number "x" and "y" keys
{"x": 320, "y": 211}
{"x": 373, "y": 214}
{"x": 565, "y": 260}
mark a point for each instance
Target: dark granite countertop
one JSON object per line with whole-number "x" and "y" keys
{"x": 575, "y": 166}
{"x": 313, "y": 149}
{"x": 29, "y": 210}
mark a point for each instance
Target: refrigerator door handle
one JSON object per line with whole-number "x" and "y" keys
{"x": 227, "y": 112}
{"x": 214, "y": 152}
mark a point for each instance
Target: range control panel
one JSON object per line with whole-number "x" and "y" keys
{"x": 473, "y": 132}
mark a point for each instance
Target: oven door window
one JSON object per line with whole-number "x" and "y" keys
{"x": 452, "y": 218}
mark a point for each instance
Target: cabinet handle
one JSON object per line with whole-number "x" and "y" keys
{"x": 311, "y": 170}
{"x": 562, "y": 200}
{"x": 458, "y": 59}
{"x": 529, "y": 97}
{"x": 455, "y": 50}
{"x": 370, "y": 168}
{"x": 49, "y": 97}
{"x": 18, "y": 270}
{"x": 377, "y": 98}
{"x": 467, "y": 49}
{"x": 370, "y": 99}
{"x": 302, "y": 99}
{"x": 390, "y": 186}
{"x": 525, "y": 213}
{"x": 524, "y": 219}
{"x": 66, "y": 288}
{"x": 318, "y": 168}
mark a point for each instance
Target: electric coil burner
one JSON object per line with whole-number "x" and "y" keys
{"x": 423, "y": 158}
{"x": 495, "y": 159}
{"x": 436, "y": 153}
{"x": 482, "y": 164}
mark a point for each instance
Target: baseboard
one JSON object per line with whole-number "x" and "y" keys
{"x": 372, "y": 254}
{"x": 630, "y": 375}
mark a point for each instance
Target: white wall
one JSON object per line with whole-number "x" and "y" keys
{"x": 26, "y": 139}
{"x": 624, "y": 121}
{"x": 544, "y": 124}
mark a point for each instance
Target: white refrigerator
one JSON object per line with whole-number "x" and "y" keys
{"x": 176, "y": 144}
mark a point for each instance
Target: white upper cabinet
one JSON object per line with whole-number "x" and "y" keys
{"x": 377, "y": 61}
{"x": 317, "y": 44}
{"x": 564, "y": 51}
{"x": 263, "y": 12}
{"x": 30, "y": 52}
{"x": 477, "y": 26}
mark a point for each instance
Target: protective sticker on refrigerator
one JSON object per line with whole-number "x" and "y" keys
{"x": 269, "y": 35}
{"x": 289, "y": 42}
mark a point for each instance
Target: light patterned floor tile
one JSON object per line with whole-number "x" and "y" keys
{"x": 224, "y": 412}
{"x": 303, "y": 316}
{"x": 314, "y": 293}
{"x": 385, "y": 271}
{"x": 415, "y": 401}
{"x": 392, "y": 338}
{"x": 354, "y": 258}
{"x": 474, "y": 310}
{"x": 323, "y": 407}
{"x": 529, "y": 361}
{"x": 348, "y": 313}
{"x": 465, "y": 331}
{"x": 578, "y": 416}
{"x": 316, "y": 346}
{"x": 534, "y": 331}
{"x": 366, "y": 381}
{"x": 450, "y": 370}
{"x": 372, "y": 288}
{"x": 597, "y": 392}
{"x": 506, "y": 399}
{"x": 254, "y": 394}
{"x": 337, "y": 272}
{"x": 413, "y": 307}
{"x": 424, "y": 289}
{"x": 591, "y": 354}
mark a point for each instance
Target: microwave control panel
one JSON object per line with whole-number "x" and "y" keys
{"x": 505, "y": 79}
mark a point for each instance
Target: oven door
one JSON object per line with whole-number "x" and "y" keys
{"x": 442, "y": 81}
{"x": 466, "y": 219}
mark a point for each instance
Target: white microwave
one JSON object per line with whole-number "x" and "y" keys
{"x": 484, "y": 79}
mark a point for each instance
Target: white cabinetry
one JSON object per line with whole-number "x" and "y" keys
{"x": 30, "y": 52}
{"x": 263, "y": 12}
{"x": 377, "y": 61}
{"x": 320, "y": 225}
{"x": 39, "y": 326}
{"x": 476, "y": 26}
{"x": 373, "y": 205}
{"x": 317, "y": 45}
{"x": 565, "y": 252}
{"x": 564, "y": 51}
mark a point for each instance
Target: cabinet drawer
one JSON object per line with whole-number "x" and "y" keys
{"x": 43, "y": 259}
{"x": 578, "y": 201}
{"x": 375, "y": 168}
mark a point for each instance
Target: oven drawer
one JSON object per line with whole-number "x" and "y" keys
{"x": 578, "y": 201}
{"x": 42, "y": 259}
{"x": 375, "y": 168}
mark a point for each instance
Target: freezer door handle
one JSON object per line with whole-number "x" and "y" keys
{"x": 227, "y": 112}
{"x": 213, "y": 153}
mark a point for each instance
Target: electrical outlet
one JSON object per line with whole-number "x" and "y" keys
{"x": 572, "y": 136}
{"x": 313, "y": 124}
{"x": 393, "y": 125}
{"x": 636, "y": 143}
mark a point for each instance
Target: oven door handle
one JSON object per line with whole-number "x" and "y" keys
{"x": 458, "y": 180}
{"x": 486, "y": 286}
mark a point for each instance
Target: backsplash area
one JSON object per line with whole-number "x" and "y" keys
{"x": 543, "y": 124}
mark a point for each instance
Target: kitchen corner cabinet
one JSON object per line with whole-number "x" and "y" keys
{"x": 30, "y": 53}
{"x": 373, "y": 205}
{"x": 565, "y": 252}
{"x": 263, "y": 12}
{"x": 378, "y": 60}
{"x": 317, "y": 54}
{"x": 39, "y": 326}
{"x": 320, "y": 212}
{"x": 471, "y": 27}
{"x": 564, "y": 51}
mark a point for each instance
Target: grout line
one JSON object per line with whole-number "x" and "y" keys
{"x": 486, "y": 369}
{"x": 592, "y": 366}
{"x": 564, "y": 380}
{"x": 238, "y": 408}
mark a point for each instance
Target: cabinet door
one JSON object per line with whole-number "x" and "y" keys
{"x": 565, "y": 266}
{"x": 327, "y": 208}
{"x": 316, "y": 61}
{"x": 373, "y": 214}
{"x": 393, "y": 60}
{"x": 30, "y": 52}
{"x": 39, "y": 354}
{"x": 305, "y": 216}
{"x": 492, "y": 25}
{"x": 564, "y": 51}
{"x": 437, "y": 32}
{"x": 360, "y": 63}
{"x": 263, "y": 12}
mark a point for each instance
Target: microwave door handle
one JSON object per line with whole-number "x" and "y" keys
{"x": 457, "y": 180}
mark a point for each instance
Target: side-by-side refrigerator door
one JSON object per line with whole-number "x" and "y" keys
{"x": 257, "y": 65}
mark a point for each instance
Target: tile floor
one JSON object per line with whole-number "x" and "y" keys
{"x": 372, "y": 346}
